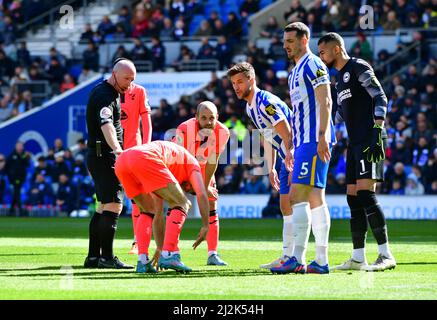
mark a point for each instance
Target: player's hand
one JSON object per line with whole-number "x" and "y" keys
{"x": 323, "y": 150}
{"x": 155, "y": 258}
{"x": 290, "y": 176}
{"x": 274, "y": 181}
{"x": 289, "y": 160}
{"x": 375, "y": 150}
{"x": 117, "y": 152}
{"x": 212, "y": 192}
{"x": 201, "y": 236}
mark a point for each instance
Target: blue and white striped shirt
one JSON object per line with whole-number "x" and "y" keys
{"x": 266, "y": 110}
{"x": 306, "y": 76}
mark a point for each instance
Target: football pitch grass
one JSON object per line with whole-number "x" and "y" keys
{"x": 42, "y": 258}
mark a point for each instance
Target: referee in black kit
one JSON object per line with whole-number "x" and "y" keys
{"x": 105, "y": 136}
{"x": 362, "y": 105}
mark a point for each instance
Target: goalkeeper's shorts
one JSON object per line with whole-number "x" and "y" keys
{"x": 357, "y": 166}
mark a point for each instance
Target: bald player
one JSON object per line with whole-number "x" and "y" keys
{"x": 205, "y": 138}
{"x": 105, "y": 142}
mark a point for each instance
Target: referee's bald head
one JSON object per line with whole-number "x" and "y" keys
{"x": 123, "y": 64}
{"x": 123, "y": 74}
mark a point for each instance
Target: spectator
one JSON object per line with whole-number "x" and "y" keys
{"x": 121, "y": 52}
{"x": 223, "y": 52}
{"x": 253, "y": 182}
{"x": 106, "y": 27}
{"x": 179, "y": 30}
{"x": 414, "y": 187}
{"x": 23, "y": 55}
{"x": 119, "y": 34}
{"x": 68, "y": 83}
{"x": 271, "y": 28}
{"x": 276, "y": 51}
{"x": 91, "y": 57}
{"x": 158, "y": 54}
{"x": 272, "y": 210}
{"x": 9, "y": 31}
{"x": 140, "y": 23}
{"x": 54, "y": 53}
{"x": 396, "y": 188}
{"x": 82, "y": 148}
{"x": 7, "y": 67}
{"x": 297, "y": 9}
{"x": 4, "y": 183}
{"x": 66, "y": 194}
{"x": 213, "y": 17}
{"x": 392, "y": 23}
{"x": 58, "y": 145}
{"x": 153, "y": 30}
{"x": 87, "y": 35}
{"x": 361, "y": 48}
{"x": 206, "y": 51}
{"x": 124, "y": 20}
{"x": 68, "y": 159}
{"x": 420, "y": 152}
{"x": 233, "y": 29}
{"x": 40, "y": 192}
{"x": 140, "y": 51}
{"x": 177, "y": 8}
{"x": 78, "y": 167}
{"x": 24, "y": 102}
{"x": 167, "y": 30}
{"x": 249, "y": 7}
{"x": 5, "y": 107}
{"x": 86, "y": 74}
{"x": 17, "y": 164}
{"x": 204, "y": 29}
{"x": 229, "y": 182}
{"x": 60, "y": 167}
{"x": 42, "y": 168}
{"x": 219, "y": 28}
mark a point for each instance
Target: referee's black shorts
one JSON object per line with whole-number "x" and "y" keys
{"x": 108, "y": 188}
{"x": 357, "y": 166}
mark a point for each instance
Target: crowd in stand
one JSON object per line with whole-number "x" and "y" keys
{"x": 59, "y": 179}
{"x": 411, "y": 154}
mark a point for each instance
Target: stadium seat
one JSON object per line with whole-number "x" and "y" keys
{"x": 264, "y": 3}
{"x": 279, "y": 65}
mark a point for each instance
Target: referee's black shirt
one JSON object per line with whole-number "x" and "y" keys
{"x": 103, "y": 107}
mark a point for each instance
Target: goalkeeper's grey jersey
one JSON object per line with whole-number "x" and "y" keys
{"x": 360, "y": 99}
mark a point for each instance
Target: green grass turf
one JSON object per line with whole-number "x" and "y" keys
{"x": 42, "y": 259}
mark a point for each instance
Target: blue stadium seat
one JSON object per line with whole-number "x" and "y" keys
{"x": 75, "y": 71}
{"x": 211, "y": 6}
{"x": 264, "y": 3}
{"x": 195, "y": 23}
{"x": 279, "y": 65}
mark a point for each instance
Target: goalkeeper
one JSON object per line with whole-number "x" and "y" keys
{"x": 362, "y": 105}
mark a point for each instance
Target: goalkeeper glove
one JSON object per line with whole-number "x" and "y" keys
{"x": 375, "y": 151}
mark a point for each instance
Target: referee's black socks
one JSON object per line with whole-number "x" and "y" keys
{"x": 358, "y": 222}
{"x": 107, "y": 227}
{"x": 375, "y": 215}
{"x": 94, "y": 239}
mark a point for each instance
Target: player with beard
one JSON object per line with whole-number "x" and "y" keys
{"x": 205, "y": 138}
{"x": 272, "y": 117}
{"x": 362, "y": 105}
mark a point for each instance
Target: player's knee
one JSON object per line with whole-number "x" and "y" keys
{"x": 182, "y": 202}
{"x": 113, "y": 207}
